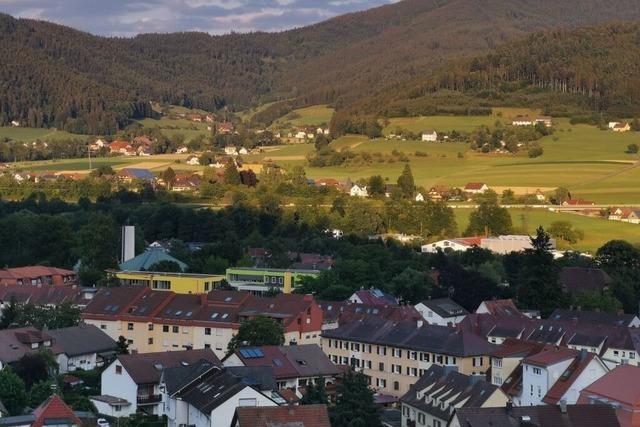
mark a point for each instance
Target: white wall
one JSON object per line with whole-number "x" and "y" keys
{"x": 120, "y": 385}
{"x": 541, "y": 383}
{"x": 223, "y": 414}
{"x": 434, "y": 318}
{"x": 594, "y": 371}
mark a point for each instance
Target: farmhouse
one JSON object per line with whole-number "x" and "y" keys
{"x": 231, "y": 151}
{"x": 226, "y": 127}
{"x": 193, "y": 160}
{"x": 358, "y": 191}
{"x": 621, "y": 127}
{"x": 545, "y": 120}
{"x": 122, "y": 147}
{"x": 419, "y": 197}
{"x": 429, "y": 136}
{"x": 186, "y": 183}
{"x": 578, "y": 202}
{"x": 522, "y": 121}
{"x": 476, "y": 188}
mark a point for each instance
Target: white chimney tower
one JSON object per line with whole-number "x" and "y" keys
{"x": 128, "y": 243}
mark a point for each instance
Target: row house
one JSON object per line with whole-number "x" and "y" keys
{"x": 38, "y": 275}
{"x": 614, "y": 344}
{"x": 154, "y": 321}
{"x": 336, "y": 313}
{"x": 393, "y": 355}
{"x": 45, "y": 295}
{"x": 433, "y": 400}
{"x": 441, "y": 311}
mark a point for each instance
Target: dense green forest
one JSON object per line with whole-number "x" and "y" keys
{"x": 562, "y": 71}
{"x": 52, "y": 75}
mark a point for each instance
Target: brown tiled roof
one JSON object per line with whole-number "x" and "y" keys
{"x": 54, "y": 408}
{"x": 620, "y": 385}
{"x": 512, "y": 347}
{"x": 568, "y": 377}
{"x": 42, "y": 295}
{"x": 502, "y": 307}
{"x": 544, "y": 416}
{"x": 147, "y": 368}
{"x": 550, "y": 355}
{"x": 280, "y": 416}
{"x": 474, "y": 186}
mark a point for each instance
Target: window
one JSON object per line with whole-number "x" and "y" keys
{"x": 206, "y": 286}
{"x": 207, "y": 346}
{"x": 437, "y": 423}
{"x": 381, "y": 367}
{"x": 248, "y": 402}
{"x": 150, "y": 341}
{"x": 497, "y": 381}
{"x": 129, "y": 326}
{"x": 396, "y": 385}
{"x": 150, "y": 327}
{"x": 103, "y": 326}
{"x": 397, "y": 352}
{"x": 414, "y": 372}
{"x": 497, "y": 363}
{"x": 413, "y": 355}
{"x": 207, "y": 331}
{"x": 396, "y": 369}
{"x": 175, "y": 329}
{"x": 161, "y": 284}
{"x": 381, "y": 382}
{"x": 537, "y": 371}
{"x": 165, "y": 328}
{"x": 477, "y": 361}
{"x": 129, "y": 342}
{"x": 118, "y": 369}
{"x": 368, "y": 362}
{"x": 421, "y": 418}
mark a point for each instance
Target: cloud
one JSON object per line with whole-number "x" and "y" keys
{"x": 127, "y": 18}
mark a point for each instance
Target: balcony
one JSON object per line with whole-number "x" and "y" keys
{"x": 149, "y": 399}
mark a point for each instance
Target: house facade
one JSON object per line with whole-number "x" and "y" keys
{"x": 441, "y": 311}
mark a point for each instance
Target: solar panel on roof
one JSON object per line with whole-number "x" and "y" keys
{"x": 245, "y": 353}
{"x": 258, "y": 352}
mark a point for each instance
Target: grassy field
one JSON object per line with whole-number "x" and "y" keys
{"x": 31, "y": 134}
{"x": 596, "y": 231}
{"x": 310, "y": 116}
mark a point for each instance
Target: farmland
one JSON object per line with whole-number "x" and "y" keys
{"x": 310, "y": 116}
{"x": 25, "y": 134}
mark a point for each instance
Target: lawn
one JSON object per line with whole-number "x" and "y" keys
{"x": 596, "y": 231}
{"x": 31, "y": 134}
{"x": 310, "y": 116}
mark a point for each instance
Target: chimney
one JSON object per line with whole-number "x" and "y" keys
{"x": 563, "y": 406}
{"x": 128, "y": 243}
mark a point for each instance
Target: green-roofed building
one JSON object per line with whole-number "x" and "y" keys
{"x": 146, "y": 260}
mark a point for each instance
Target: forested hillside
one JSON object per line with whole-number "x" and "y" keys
{"x": 564, "y": 71}
{"x": 52, "y": 75}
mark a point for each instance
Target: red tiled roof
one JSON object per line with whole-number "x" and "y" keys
{"x": 550, "y": 355}
{"x": 54, "y": 408}
{"x": 469, "y": 241}
{"x": 515, "y": 347}
{"x": 474, "y": 186}
{"x": 620, "y": 385}
{"x": 302, "y": 416}
{"x": 502, "y": 307}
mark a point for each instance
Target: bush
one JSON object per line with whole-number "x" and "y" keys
{"x": 632, "y": 149}
{"x": 535, "y": 152}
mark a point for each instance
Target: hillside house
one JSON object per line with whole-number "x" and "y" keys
{"x": 545, "y": 120}
{"x": 429, "y": 136}
{"x": 226, "y": 128}
{"x": 230, "y": 151}
{"x": 122, "y": 147}
{"x": 372, "y": 297}
{"x": 182, "y": 150}
{"x": 359, "y": 191}
{"x": 38, "y": 275}
{"x": 131, "y": 383}
{"x": 186, "y": 183}
{"x": 522, "y": 121}
{"x": 621, "y": 127}
{"x": 476, "y": 188}
{"x": 419, "y": 197}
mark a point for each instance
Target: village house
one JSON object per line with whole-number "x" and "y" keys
{"x": 578, "y": 202}
{"x": 621, "y": 127}
{"x": 204, "y": 395}
{"x": 186, "y": 183}
{"x": 193, "y": 160}
{"x": 395, "y": 354}
{"x": 231, "y": 151}
{"x": 619, "y": 390}
{"x": 545, "y": 120}
{"x": 544, "y": 416}
{"x": 372, "y": 297}
{"x": 182, "y": 150}
{"x": 429, "y": 136}
{"x": 98, "y": 144}
{"x": 291, "y": 416}
{"x": 434, "y": 398}
{"x": 52, "y": 412}
{"x": 122, "y": 147}
{"x": 130, "y": 175}
{"x": 596, "y": 317}
{"x": 476, "y": 188}
{"x": 419, "y": 197}
{"x": 154, "y": 321}
{"x": 38, "y": 275}
{"x": 439, "y": 192}
{"x": 131, "y": 383}
{"x": 358, "y": 191}
{"x": 456, "y": 245}
{"x": 522, "y": 121}
{"x": 294, "y": 366}
{"x": 441, "y": 311}
{"x": 78, "y": 347}
{"x": 226, "y": 128}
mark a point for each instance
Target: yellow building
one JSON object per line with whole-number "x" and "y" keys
{"x": 180, "y": 283}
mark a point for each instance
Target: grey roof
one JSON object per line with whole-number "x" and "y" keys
{"x": 586, "y": 340}
{"x": 309, "y": 360}
{"x": 82, "y": 339}
{"x": 542, "y": 416}
{"x": 177, "y": 377}
{"x": 431, "y": 338}
{"x": 593, "y": 317}
{"x": 111, "y": 400}
{"x": 147, "y": 368}
{"x": 505, "y": 332}
{"x": 212, "y": 390}
{"x": 18, "y": 420}
{"x": 391, "y": 417}
{"x": 444, "y": 384}
{"x": 445, "y": 307}
{"x": 261, "y": 377}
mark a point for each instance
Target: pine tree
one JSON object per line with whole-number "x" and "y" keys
{"x": 406, "y": 183}
{"x": 231, "y": 174}
{"x": 316, "y": 393}
{"x": 354, "y": 404}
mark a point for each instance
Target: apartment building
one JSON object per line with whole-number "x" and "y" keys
{"x": 180, "y": 283}
{"x": 154, "y": 321}
{"x": 393, "y": 355}
{"x": 259, "y": 280}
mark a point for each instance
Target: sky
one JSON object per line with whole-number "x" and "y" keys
{"x": 127, "y": 18}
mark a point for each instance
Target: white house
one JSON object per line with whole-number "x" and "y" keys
{"x": 231, "y": 151}
{"x": 358, "y": 191}
{"x": 429, "y": 136}
{"x": 207, "y": 396}
{"x": 132, "y": 381}
{"x": 476, "y": 188}
{"x": 193, "y": 161}
{"x": 622, "y": 127}
{"x": 182, "y": 150}
{"x": 441, "y": 311}
{"x": 83, "y": 347}
{"x": 613, "y": 124}
{"x": 243, "y": 151}
{"x": 522, "y": 121}
{"x": 558, "y": 374}
{"x": 461, "y": 244}
{"x": 301, "y": 135}
{"x": 15, "y": 123}
{"x": 419, "y": 197}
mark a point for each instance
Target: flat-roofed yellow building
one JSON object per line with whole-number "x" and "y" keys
{"x": 180, "y": 283}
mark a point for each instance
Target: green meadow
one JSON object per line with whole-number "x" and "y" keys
{"x": 310, "y": 116}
